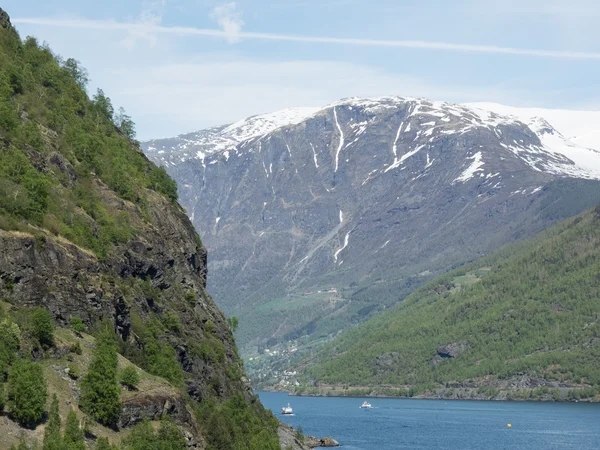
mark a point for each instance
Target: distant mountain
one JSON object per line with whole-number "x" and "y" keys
{"x": 371, "y": 197}
{"x": 523, "y": 323}
{"x": 580, "y": 127}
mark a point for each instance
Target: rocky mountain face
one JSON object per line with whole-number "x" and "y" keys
{"x": 367, "y": 196}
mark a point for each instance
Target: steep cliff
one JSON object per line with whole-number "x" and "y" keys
{"x": 91, "y": 230}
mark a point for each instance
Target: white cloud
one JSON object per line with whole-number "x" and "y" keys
{"x": 229, "y": 19}
{"x": 149, "y": 18}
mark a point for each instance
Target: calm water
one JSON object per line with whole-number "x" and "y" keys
{"x": 439, "y": 424}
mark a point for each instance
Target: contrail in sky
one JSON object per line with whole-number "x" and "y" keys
{"x": 247, "y": 35}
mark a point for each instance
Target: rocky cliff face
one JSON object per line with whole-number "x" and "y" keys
{"x": 4, "y": 19}
{"x": 44, "y": 270}
{"x": 369, "y": 196}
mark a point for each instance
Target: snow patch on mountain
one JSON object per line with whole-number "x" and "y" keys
{"x": 579, "y": 127}
{"x": 474, "y": 167}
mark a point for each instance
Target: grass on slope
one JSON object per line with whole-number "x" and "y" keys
{"x": 535, "y": 313}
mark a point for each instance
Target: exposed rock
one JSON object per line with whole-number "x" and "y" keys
{"x": 289, "y": 439}
{"x": 4, "y": 19}
{"x": 387, "y": 361}
{"x": 452, "y": 350}
{"x": 314, "y": 442}
{"x": 153, "y": 407}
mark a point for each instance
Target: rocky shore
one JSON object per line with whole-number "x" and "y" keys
{"x": 291, "y": 440}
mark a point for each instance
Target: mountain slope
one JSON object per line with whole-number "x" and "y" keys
{"x": 372, "y": 197}
{"x": 524, "y": 317}
{"x": 91, "y": 232}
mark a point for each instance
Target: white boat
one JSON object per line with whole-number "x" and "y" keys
{"x": 287, "y": 410}
{"x": 366, "y": 405}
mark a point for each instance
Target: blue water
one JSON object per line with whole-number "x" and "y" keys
{"x": 440, "y": 424}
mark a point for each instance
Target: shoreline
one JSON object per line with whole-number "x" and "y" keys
{"x": 464, "y": 395}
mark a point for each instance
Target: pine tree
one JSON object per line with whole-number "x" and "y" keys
{"x": 2, "y": 397}
{"x": 52, "y": 438}
{"x": 74, "y": 438}
{"x": 9, "y": 344}
{"x": 100, "y": 391}
{"x": 27, "y": 392}
{"x": 103, "y": 444}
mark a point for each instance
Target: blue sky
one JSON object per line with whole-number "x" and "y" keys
{"x": 182, "y": 65}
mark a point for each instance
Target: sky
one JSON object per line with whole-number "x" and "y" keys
{"x": 178, "y": 66}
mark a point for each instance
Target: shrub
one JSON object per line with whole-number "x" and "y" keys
{"x": 43, "y": 327}
{"x": 143, "y": 437}
{"x": 74, "y": 372}
{"x": 76, "y": 348}
{"x": 161, "y": 360}
{"x": 27, "y": 392}
{"x": 130, "y": 378}
{"x": 190, "y": 297}
{"x": 103, "y": 444}
{"x": 171, "y": 322}
{"x": 233, "y": 323}
{"x": 77, "y": 325}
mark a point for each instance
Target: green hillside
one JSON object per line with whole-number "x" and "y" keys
{"x": 524, "y": 321}
{"x": 106, "y": 328}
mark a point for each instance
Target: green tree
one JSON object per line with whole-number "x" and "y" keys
{"x": 130, "y": 377}
{"x": 74, "y": 437}
{"x": 103, "y": 444}
{"x": 124, "y": 123}
{"x": 27, "y": 392}
{"x": 43, "y": 326}
{"x": 161, "y": 182}
{"x": 79, "y": 74}
{"x": 170, "y": 436}
{"x": 143, "y": 437}
{"x": 104, "y": 104}
{"x": 52, "y": 438}
{"x": 100, "y": 388}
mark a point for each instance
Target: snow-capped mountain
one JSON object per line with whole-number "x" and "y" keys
{"x": 200, "y": 144}
{"x": 372, "y": 196}
{"x": 579, "y": 138}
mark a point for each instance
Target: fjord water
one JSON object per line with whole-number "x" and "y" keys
{"x": 442, "y": 424}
